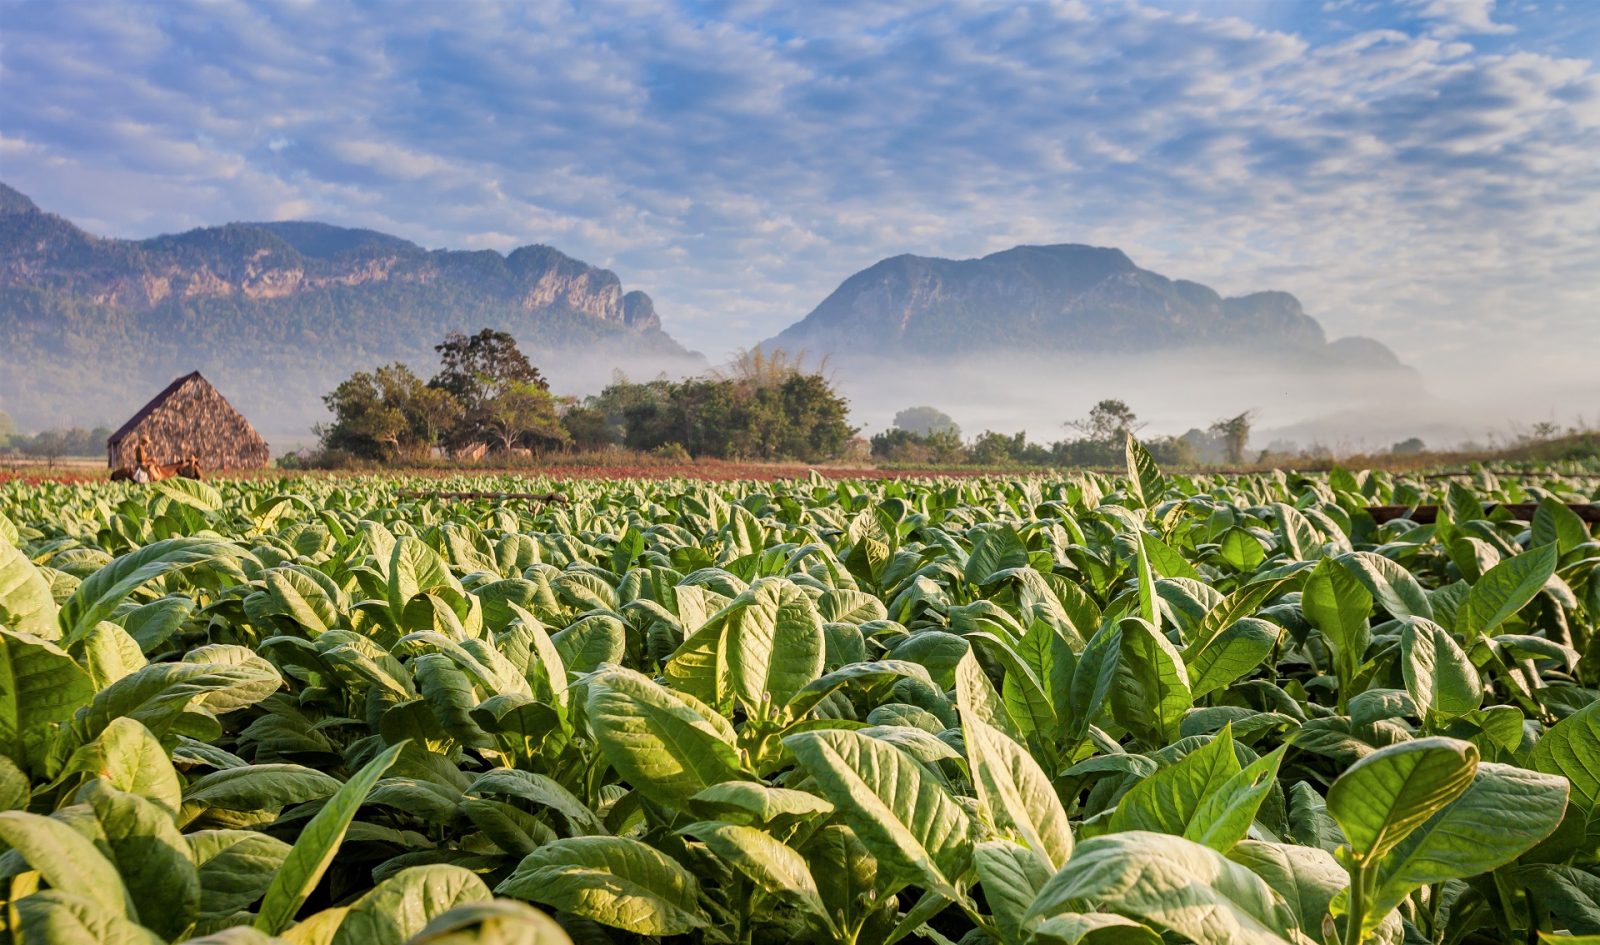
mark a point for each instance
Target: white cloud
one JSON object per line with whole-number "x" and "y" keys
{"x": 1403, "y": 178}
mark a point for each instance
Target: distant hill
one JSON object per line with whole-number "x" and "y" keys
{"x": 277, "y": 313}
{"x": 1069, "y": 299}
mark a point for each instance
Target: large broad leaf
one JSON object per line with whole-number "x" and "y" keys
{"x": 317, "y": 844}
{"x": 1012, "y": 876}
{"x": 98, "y": 596}
{"x": 908, "y": 821}
{"x": 1233, "y": 653}
{"x": 236, "y": 867}
{"x": 615, "y": 881}
{"x": 769, "y": 863}
{"x": 152, "y": 857}
{"x": 26, "y": 603}
{"x": 414, "y": 569}
{"x": 1145, "y": 481}
{"x": 1013, "y": 789}
{"x": 1170, "y": 883}
{"x": 664, "y": 746}
{"x": 1382, "y": 798}
{"x": 765, "y": 645}
{"x": 1505, "y": 589}
{"x": 1338, "y": 604}
{"x": 406, "y": 902}
{"x": 268, "y": 787}
{"x": 40, "y": 688}
{"x": 1151, "y": 692}
{"x": 1440, "y": 678}
{"x": 66, "y": 860}
{"x": 1167, "y": 801}
{"x": 497, "y": 922}
{"x": 1390, "y": 584}
{"x": 1093, "y": 928}
{"x": 54, "y": 917}
{"x": 1503, "y": 814}
{"x": 1571, "y": 748}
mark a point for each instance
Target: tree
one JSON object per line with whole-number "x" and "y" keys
{"x": 588, "y": 427}
{"x": 1235, "y": 435}
{"x": 473, "y": 369}
{"x": 924, "y": 421}
{"x": 522, "y": 414}
{"x": 1411, "y": 446}
{"x": 993, "y": 449}
{"x": 1108, "y": 424}
{"x": 387, "y": 413}
{"x": 8, "y": 428}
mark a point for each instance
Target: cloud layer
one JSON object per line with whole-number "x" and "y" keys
{"x": 1424, "y": 172}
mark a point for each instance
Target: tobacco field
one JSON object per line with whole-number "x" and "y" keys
{"x": 1075, "y": 710}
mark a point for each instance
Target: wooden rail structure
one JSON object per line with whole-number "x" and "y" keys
{"x": 1520, "y": 511}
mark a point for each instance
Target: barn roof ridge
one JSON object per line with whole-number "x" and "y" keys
{"x": 155, "y": 402}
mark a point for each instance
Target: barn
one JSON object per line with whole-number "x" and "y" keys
{"x": 189, "y": 418}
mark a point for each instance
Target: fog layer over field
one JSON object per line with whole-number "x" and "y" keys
{"x": 1345, "y": 410}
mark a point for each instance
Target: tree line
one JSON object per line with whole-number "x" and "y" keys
{"x": 926, "y": 435}
{"x": 488, "y": 397}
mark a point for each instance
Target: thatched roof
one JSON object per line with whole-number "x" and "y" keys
{"x": 190, "y": 418}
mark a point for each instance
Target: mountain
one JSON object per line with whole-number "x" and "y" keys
{"x": 1069, "y": 299}
{"x": 277, "y": 313}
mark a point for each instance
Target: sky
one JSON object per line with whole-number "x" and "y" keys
{"x": 1426, "y": 172}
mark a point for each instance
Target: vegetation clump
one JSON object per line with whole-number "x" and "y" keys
{"x": 1147, "y": 707}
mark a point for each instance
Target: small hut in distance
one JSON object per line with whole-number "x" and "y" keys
{"x": 189, "y": 418}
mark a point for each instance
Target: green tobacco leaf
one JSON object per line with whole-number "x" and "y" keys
{"x": 1012, "y": 876}
{"x": 402, "y": 905}
{"x": 1151, "y": 692}
{"x": 1232, "y": 654}
{"x": 1170, "y": 883}
{"x": 1338, "y": 604}
{"x": 236, "y": 867}
{"x": 54, "y": 917}
{"x": 1439, "y": 676}
{"x": 1392, "y": 586}
{"x": 1145, "y": 481}
{"x": 1014, "y": 791}
{"x": 769, "y": 863}
{"x": 908, "y": 821}
{"x": 1571, "y": 748}
{"x": 1503, "y": 591}
{"x": 1382, "y": 798}
{"x": 1501, "y": 815}
{"x": 1305, "y": 878}
{"x": 1167, "y": 801}
{"x": 40, "y": 688}
{"x": 1093, "y": 928}
{"x": 66, "y": 859}
{"x": 318, "y": 842}
{"x": 497, "y": 922}
{"x": 268, "y": 787}
{"x": 1092, "y": 682}
{"x": 766, "y": 645}
{"x": 98, "y": 596}
{"x": 414, "y": 569}
{"x": 1226, "y": 816}
{"x": 615, "y": 881}
{"x": 666, "y": 747}
{"x": 152, "y": 857}
{"x": 26, "y": 604}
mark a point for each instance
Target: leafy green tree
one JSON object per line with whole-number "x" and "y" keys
{"x": 587, "y": 427}
{"x": 387, "y": 413}
{"x": 522, "y": 414}
{"x": 1410, "y": 446}
{"x": 1109, "y": 423}
{"x": 8, "y": 428}
{"x": 924, "y": 421}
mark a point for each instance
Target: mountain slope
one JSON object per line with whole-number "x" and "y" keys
{"x": 277, "y": 313}
{"x": 1066, "y": 298}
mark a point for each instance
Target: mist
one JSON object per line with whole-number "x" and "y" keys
{"x": 1341, "y": 410}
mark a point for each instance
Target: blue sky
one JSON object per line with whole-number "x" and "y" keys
{"x": 1423, "y": 171}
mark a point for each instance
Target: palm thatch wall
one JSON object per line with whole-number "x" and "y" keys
{"x": 190, "y": 417}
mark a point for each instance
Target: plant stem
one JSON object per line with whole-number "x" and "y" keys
{"x": 1358, "y": 904}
